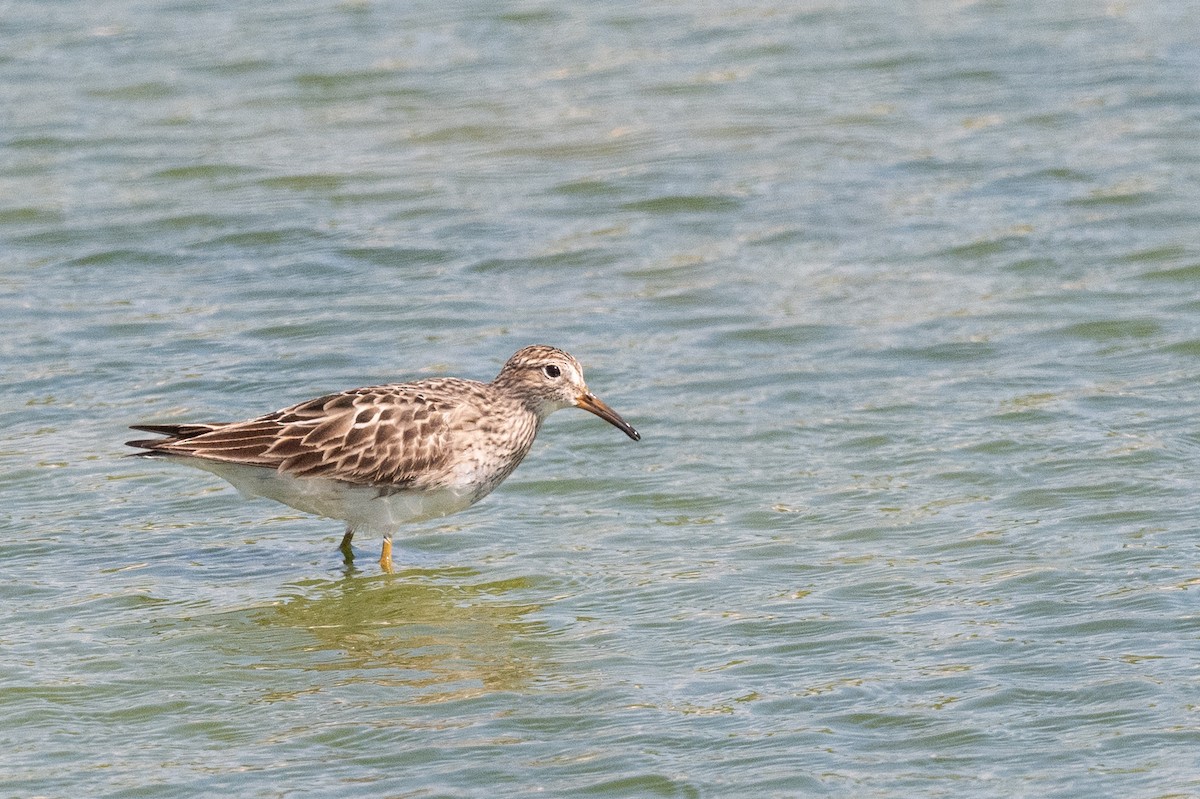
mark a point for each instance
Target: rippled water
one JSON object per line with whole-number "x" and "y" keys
{"x": 905, "y": 302}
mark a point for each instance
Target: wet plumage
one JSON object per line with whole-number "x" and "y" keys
{"x": 380, "y": 456}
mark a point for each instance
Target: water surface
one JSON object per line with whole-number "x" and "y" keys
{"x": 904, "y": 302}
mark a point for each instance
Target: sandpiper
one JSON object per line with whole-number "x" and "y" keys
{"x": 380, "y": 456}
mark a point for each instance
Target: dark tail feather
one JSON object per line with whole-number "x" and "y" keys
{"x": 173, "y": 432}
{"x": 148, "y": 444}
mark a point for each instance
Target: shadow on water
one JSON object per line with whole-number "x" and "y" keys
{"x": 434, "y": 631}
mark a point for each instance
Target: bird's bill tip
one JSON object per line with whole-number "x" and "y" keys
{"x": 593, "y": 404}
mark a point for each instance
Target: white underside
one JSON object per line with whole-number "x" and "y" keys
{"x": 363, "y": 508}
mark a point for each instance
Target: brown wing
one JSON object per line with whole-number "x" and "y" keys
{"x": 382, "y": 435}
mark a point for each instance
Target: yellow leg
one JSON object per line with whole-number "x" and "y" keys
{"x": 347, "y": 552}
{"x": 385, "y": 559}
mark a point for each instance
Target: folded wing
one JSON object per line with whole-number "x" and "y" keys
{"x": 382, "y": 435}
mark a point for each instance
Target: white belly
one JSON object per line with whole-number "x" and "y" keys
{"x": 364, "y": 508}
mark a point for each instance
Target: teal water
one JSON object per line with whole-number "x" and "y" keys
{"x": 905, "y": 301}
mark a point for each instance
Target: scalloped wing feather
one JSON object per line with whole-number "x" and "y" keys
{"x": 394, "y": 435}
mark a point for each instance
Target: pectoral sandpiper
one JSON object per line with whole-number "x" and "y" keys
{"x": 380, "y": 456}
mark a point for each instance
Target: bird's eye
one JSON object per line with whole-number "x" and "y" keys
{"x": 550, "y": 370}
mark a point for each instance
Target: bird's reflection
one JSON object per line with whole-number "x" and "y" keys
{"x": 442, "y": 631}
